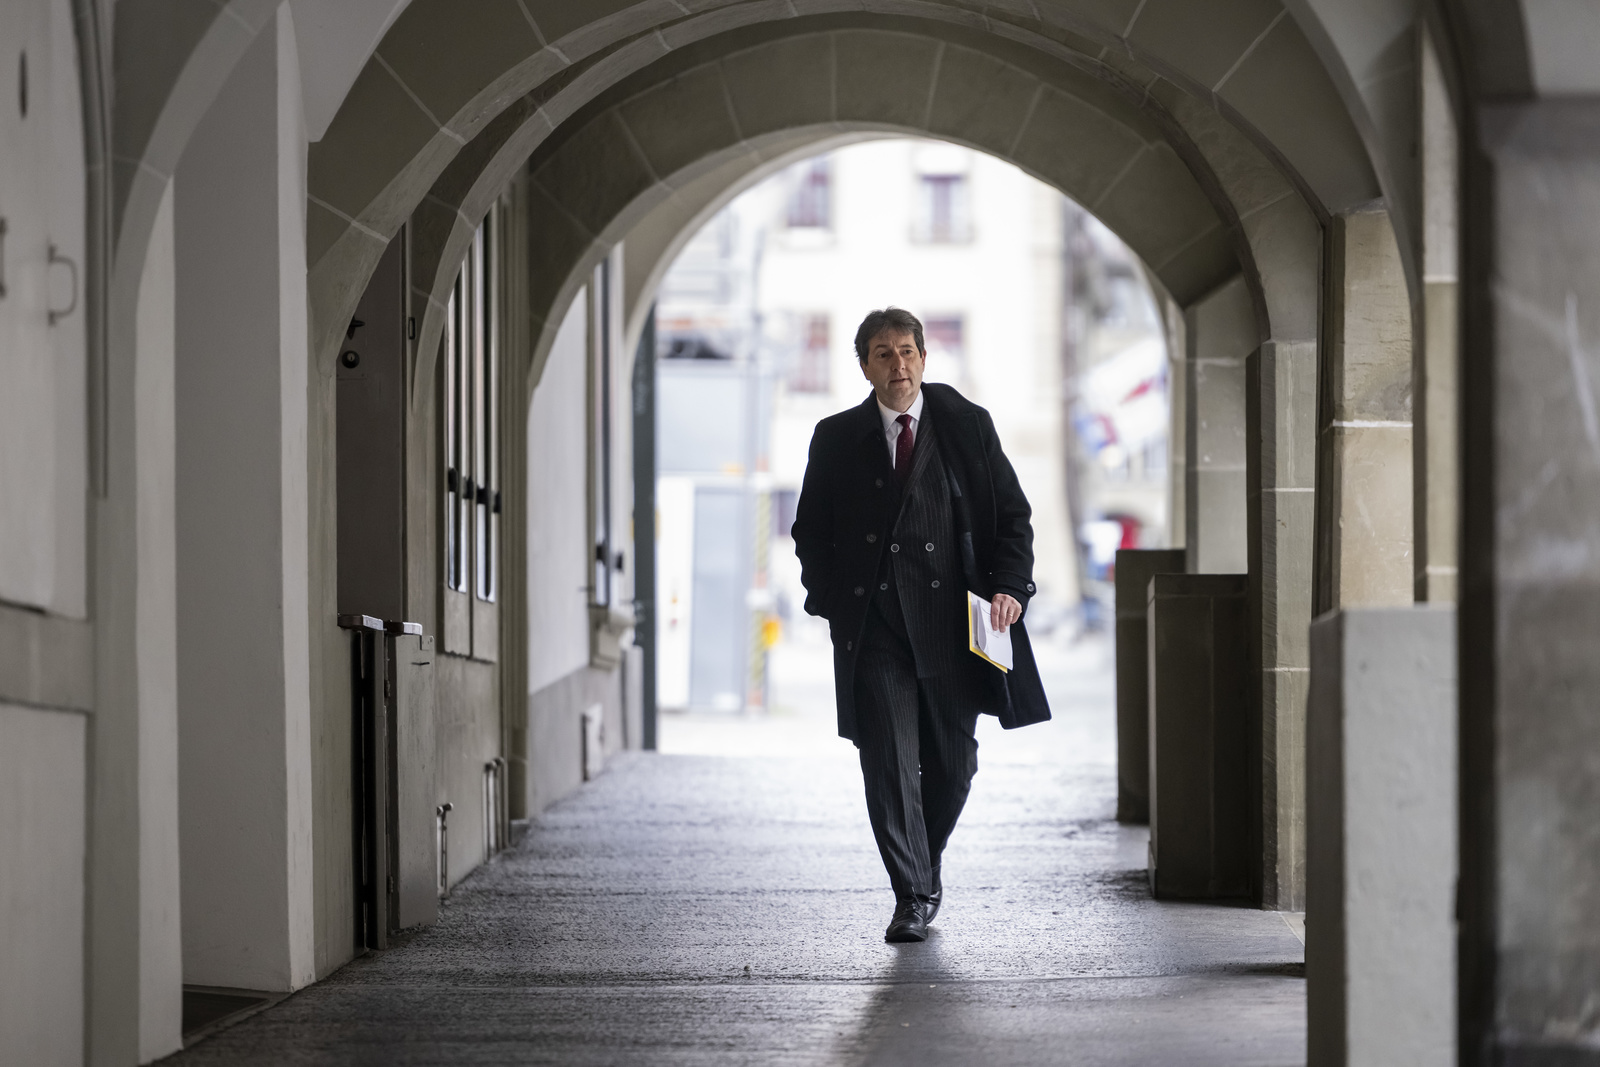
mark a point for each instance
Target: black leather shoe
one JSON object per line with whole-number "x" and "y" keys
{"x": 908, "y": 924}
{"x": 936, "y": 897}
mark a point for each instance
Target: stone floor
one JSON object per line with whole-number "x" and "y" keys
{"x": 690, "y": 909}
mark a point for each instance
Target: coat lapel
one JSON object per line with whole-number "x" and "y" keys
{"x": 875, "y": 453}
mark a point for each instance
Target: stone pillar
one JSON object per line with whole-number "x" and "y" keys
{"x": 244, "y": 681}
{"x": 1172, "y": 318}
{"x": 1530, "y": 590}
{"x": 1135, "y": 567}
{"x": 1220, "y": 333}
{"x": 1281, "y": 405}
{"x": 1364, "y": 424}
{"x": 1199, "y": 736}
{"x": 1381, "y": 831}
{"x": 1436, "y": 447}
{"x": 133, "y": 947}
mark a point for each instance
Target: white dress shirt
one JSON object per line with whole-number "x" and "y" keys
{"x": 891, "y": 425}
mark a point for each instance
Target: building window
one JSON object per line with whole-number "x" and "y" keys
{"x": 946, "y": 339}
{"x": 812, "y": 356}
{"x": 810, "y": 205}
{"x": 471, "y": 428}
{"x": 943, "y": 209}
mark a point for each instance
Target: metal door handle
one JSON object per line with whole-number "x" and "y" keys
{"x": 56, "y": 257}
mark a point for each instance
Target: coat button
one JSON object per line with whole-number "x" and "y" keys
{"x": 928, "y": 546}
{"x": 894, "y": 548}
{"x": 849, "y": 646}
{"x": 872, "y": 539}
{"x": 936, "y": 583}
{"x": 880, "y": 483}
{"x": 860, "y": 591}
{"x": 885, "y": 585}
{"x": 1030, "y": 587}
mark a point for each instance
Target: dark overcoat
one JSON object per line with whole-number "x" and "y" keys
{"x": 848, "y": 506}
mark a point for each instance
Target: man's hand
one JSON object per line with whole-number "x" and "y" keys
{"x": 1003, "y": 611}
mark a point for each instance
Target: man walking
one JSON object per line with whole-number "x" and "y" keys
{"x": 908, "y": 502}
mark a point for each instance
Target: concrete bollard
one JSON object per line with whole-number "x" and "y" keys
{"x": 1135, "y": 568}
{"x": 1381, "y": 851}
{"x": 1199, "y": 739}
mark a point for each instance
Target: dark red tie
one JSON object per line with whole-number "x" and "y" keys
{"x": 902, "y": 450}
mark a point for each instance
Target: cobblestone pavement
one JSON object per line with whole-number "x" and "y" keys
{"x": 690, "y": 909}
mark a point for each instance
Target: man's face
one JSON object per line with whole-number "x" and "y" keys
{"x": 894, "y": 367}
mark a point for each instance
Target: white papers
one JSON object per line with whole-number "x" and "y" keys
{"x": 984, "y": 639}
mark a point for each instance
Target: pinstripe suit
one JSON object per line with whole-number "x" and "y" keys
{"x": 916, "y": 683}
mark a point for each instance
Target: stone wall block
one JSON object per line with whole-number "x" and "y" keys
{"x": 1286, "y": 558}
{"x": 1372, "y": 348}
{"x": 979, "y": 99}
{"x": 1283, "y": 788}
{"x": 497, "y": 36}
{"x": 681, "y": 122}
{"x": 781, "y": 85}
{"x": 1287, "y": 242}
{"x": 1381, "y": 823}
{"x": 873, "y": 69}
{"x": 1371, "y": 475}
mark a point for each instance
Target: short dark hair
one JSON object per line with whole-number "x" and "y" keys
{"x": 890, "y": 318}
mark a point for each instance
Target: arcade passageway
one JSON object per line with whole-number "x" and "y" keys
{"x": 620, "y": 927}
{"x": 328, "y": 551}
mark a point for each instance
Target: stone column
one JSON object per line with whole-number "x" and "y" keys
{"x": 1220, "y": 332}
{"x": 1364, "y": 425}
{"x": 243, "y": 597}
{"x": 1173, "y": 320}
{"x": 1281, "y": 406}
{"x": 1437, "y": 446}
{"x": 1199, "y": 800}
{"x": 1530, "y": 590}
{"x": 1135, "y": 567}
{"x": 1381, "y": 830}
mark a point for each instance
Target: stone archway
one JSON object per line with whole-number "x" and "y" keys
{"x": 1230, "y": 207}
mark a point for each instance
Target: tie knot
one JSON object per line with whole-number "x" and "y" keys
{"x": 904, "y": 421}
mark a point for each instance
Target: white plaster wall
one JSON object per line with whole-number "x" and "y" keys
{"x": 156, "y": 615}
{"x": 243, "y": 664}
{"x": 43, "y": 407}
{"x": 558, "y": 550}
{"x": 294, "y": 358}
{"x": 42, "y": 789}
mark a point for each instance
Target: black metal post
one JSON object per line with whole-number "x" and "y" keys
{"x": 644, "y": 518}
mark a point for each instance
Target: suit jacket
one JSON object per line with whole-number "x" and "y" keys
{"x": 848, "y": 506}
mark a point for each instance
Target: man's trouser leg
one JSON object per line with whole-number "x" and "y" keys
{"x": 949, "y": 758}
{"x": 917, "y": 757}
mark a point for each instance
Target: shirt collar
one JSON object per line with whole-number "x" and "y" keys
{"x": 890, "y": 416}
